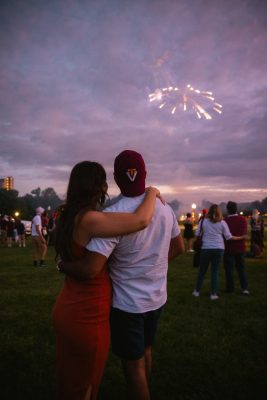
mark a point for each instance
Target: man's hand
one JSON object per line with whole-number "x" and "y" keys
{"x": 158, "y": 195}
{"x": 83, "y": 268}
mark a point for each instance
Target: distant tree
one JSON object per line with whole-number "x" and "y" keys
{"x": 264, "y": 205}
{"x": 8, "y": 201}
{"x": 47, "y": 198}
{"x": 175, "y": 205}
{"x": 48, "y": 193}
{"x": 223, "y": 207}
{"x": 31, "y": 203}
{"x": 255, "y": 204}
{"x": 26, "y": 205}
{"x": 206, "y": 204}
{"x": 246, "y": 207}
{"x": 23, "y": 208}
{"x": 36, "y": 192}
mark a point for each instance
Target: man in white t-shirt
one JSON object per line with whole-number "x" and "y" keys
{"x": 138, "y": 265}
{"x": 39, "y": 242}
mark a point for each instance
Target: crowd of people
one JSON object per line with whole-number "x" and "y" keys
{"x": 12, "y": 232}
{"x": 115, "y": 263}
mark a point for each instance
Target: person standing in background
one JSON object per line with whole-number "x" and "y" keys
{"x": 39, "y": 242}
{"x": 10, "y": 231}
{"x": 51, "y": 230}
{"x": 189, "y": 232}
{"x": 257, "y": 233}
{"x": 203, "y": 215}
{"x": 21, "y": 233}
{"x": 45, "y": 220}
{"x": 234, "y": 255}
{"x": 3, "y": 227}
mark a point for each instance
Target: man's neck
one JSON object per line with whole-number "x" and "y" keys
{"x": 133, "y": 196}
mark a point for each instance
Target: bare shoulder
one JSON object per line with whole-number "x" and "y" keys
{"x": 85, "y": 225}
{"x": 90, "y": 217}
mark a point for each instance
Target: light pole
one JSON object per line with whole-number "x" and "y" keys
{"x": 194, "y": 206}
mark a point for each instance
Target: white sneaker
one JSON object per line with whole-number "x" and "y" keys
{"x": 214, "y": 296}
{"x": 245, "y": 292}
{"x": 195, "y": 293}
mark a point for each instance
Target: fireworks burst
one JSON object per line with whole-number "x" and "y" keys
{"x": 188, "y": 99}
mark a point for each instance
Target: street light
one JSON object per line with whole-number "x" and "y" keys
{"x": 16, "y": 213}
{"x": 194, "y": 206}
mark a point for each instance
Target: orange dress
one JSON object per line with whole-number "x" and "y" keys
{"x": 81, "y": 321}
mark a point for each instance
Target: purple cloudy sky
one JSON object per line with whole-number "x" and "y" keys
{"x": 74, "y": 85}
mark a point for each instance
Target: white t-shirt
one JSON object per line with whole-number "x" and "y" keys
{"x": 139, "y": 261}
{"x": 214, "y": 234}
{"x": 36, "y": 221}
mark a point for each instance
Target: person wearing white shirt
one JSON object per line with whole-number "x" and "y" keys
{"x": 214, "y": 232}
{"x": 39, "y": 242}
{"x": 138, "y": 265}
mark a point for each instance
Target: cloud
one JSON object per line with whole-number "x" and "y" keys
{"x": 75, "y": 79}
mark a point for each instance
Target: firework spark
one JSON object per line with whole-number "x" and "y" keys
{"x": 189, "y": 98}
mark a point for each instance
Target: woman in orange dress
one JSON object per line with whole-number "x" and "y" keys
{"x": 81, "y": 313}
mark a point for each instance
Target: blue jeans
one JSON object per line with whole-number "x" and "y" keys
{"x": 238, "y": 261}
{"x": 207, "y": 256}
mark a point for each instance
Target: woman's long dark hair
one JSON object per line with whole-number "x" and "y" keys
{"x": 86, "y": 190}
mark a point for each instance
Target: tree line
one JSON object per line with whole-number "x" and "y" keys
{"x": 246, "y": 207}
{"x": 11, "y": 202}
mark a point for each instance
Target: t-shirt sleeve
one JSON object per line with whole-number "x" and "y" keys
{"x": 226, "y": 232}
{"x": 37, "y": 220}
{"x": 175, "y": 227}
{"x": 102, "y": 246}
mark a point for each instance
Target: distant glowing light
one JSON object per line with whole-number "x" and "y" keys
{"x": 202, "y": 103}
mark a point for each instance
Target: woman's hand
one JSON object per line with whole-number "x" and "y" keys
{"x": 157, "y": 193}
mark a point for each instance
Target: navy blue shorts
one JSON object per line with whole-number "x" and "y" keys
{"x": 131, "y": 333}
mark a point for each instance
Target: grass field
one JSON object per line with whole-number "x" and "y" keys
{"x": 204, "y": 351}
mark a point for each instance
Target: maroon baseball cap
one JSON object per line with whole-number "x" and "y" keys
{"x": 130, "y": 173}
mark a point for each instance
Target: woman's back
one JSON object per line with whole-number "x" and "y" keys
{"x": 188, "y": 228}
{"x": 214, "y": 233}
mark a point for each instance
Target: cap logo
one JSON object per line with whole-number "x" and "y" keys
{"x": 131, "y": 173}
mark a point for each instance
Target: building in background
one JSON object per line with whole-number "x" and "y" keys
{"x": 7, "y": 183}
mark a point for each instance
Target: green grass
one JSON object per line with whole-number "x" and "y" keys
{"x": 204, "y": 350}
